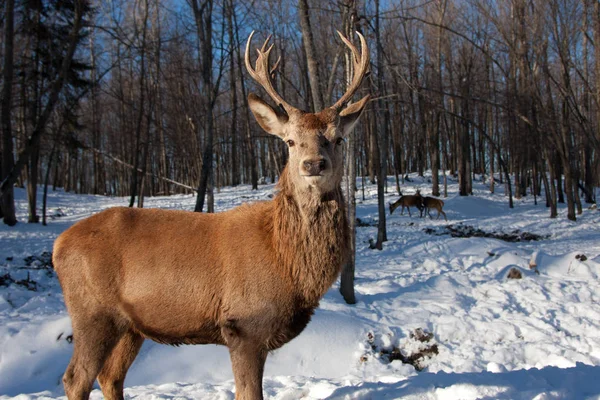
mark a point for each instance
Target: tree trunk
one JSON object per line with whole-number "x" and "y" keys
{"x": 203, "y": 19}
{"x": 553, "y": 191}
{"x": 235, "y": 169}
{"x": 463, "y": 154}
{"x": 7, "y": 201}
{"x": 145, "y": 160}
{"x": 141, "y": 105}
{"x": 46, "y": 181}
{"x": 589, "y": 176}
{"x": 250, "y": 144}
{"x": 32, "y": 181}
{"x": 347, "y": 275}
{"x": 311, "y": 56}
{"x": 382, "y": 136}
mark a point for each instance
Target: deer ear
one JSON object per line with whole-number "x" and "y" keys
{"x": 269, "y": 119}
{"x": 349, "y": 115}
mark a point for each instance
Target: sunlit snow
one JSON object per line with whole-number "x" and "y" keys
{"x": 533, "y": 338}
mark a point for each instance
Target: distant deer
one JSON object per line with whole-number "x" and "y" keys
{"x": 249, "y": 278}
{"x": 433, "y": 203}
{"x": 408, "y": 201}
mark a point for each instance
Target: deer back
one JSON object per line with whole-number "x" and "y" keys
{"x": 411, "y": 200}
{"x": 432, "y": 202}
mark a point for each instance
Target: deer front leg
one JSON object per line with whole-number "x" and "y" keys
{"x": 248, "y": 363}
{"x": 248, "y": 356}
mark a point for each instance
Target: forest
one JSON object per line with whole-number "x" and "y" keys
{"x": 489, "y": 108}
{"x": 149, "y": 97}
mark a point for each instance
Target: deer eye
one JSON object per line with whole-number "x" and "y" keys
{"x": 290, "y": 143}
{"x": 339, "y": 141}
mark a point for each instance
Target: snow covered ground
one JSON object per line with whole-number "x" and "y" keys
{"x": 484, "y": 336}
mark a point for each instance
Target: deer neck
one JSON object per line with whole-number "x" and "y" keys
{"x": 311, "y": 237}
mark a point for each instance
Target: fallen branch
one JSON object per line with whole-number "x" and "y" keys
{"x": 118, "y": 160}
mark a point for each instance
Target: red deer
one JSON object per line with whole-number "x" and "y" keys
{"x": 249, "y": 278}
{"x": 408, "y": 201}
{"x": 433, "y": 203}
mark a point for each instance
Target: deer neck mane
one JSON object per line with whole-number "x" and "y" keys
{"x": 311, "y": 238}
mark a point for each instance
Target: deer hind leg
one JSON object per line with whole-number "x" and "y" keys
{"x": 94, "y": 338}
{"x": 112, "y": 375}
{"x": 443, "y": 213}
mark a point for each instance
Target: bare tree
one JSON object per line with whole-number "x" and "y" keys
{"x": 7, "y": 202}
{"x": 381, "y": 137}
{"x": 311, "y": 56}
{"x": 347, "y": 274}
{"x": 10, "y": 177}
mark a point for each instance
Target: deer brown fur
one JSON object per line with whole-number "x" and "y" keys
{"x": 431, "y": 203}
{"x": 408, "y": 201}
{"x": 249, "y": 278}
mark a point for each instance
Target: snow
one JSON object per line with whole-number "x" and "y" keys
{"x": 496, "y": 338}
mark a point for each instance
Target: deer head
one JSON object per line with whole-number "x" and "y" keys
{"x": 315, "y": 140}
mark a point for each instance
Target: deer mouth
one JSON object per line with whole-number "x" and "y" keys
{"x": 314, "y": 180}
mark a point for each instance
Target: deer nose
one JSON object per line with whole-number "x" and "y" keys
{"x": 315, "y": 167}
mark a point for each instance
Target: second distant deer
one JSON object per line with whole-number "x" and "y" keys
{"x": 433, "y": 203}
{"x": 408, "y": 201}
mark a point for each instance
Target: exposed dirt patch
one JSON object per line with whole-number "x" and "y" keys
{"x": 361, "y": 224}
{"x": 44, "y": 260}
{"x": 417, "y": 350}
{"x": 514, "y": 274}
{"x": 6, "y": 280}
{"x": 32, "y": 264}
{"x": 28, "y": 283}
{"x": 467, "y": 231}
{"x": 68, "y": 338}
{"x": 421, "y": 335}
{"x": 57, "y": 213}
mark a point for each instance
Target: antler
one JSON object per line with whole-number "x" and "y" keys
{"x": 361, "y": 69}
{"x": 262, "y": 73}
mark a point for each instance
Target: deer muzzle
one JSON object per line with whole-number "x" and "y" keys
{"x": 314, "y": 167}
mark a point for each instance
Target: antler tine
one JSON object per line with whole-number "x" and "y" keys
{"x": 264, "y": 46}
{"x": 274, "y": 67}
{"x": 361, "y": 68}
{"x": 352, "y": 48}
{"x": 262, "y": 73}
